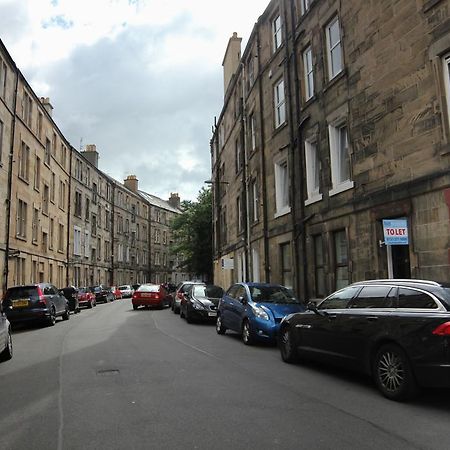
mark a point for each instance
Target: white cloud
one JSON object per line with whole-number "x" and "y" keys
{"x": 141, "y": 79}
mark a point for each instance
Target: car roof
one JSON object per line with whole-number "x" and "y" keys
{"x": 403, "y": 282}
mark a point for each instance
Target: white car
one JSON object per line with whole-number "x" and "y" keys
{"x": 127, "y": 290}
{"x": 6, "y": 349}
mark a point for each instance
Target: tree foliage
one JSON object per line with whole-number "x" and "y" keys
{"x": 192, "y": 235}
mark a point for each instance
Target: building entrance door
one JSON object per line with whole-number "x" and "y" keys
{"x": 399, "y": 265}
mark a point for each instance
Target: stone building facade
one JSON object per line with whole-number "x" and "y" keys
{"x": 65, "y": 221}
{"x": 344, "y": 124}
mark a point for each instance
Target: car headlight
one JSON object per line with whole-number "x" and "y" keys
{"x": 260, "y": 313}
{"x": 197, "y": 305}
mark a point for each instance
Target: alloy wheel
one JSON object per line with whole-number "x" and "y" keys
{"x": 246, "y": 333}
{"x": 391, "y": 371}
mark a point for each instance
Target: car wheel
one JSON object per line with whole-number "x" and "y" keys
{"x": 247, "y": 336}
{"x": 91, "y": 305}
{"x": 188, "y": 316}
{"x": 66, "y": 315}
{"x": 52, "y": 319}
{"x": 286, "y": 342}
{"x": 219, "y": 326}
{"x": 7, "y": 354}
{"x": 393, "y": 374}
{"x": 135, "y": 307}
{"x": 181, "y": 313}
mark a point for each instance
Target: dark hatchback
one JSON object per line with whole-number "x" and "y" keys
{"x": 397, "y": 331}
{"x": 102, "y": 293}
{"x": 41, "y": 301}
{"x": 72, "y": 295}
{"x": 200, "y": 302}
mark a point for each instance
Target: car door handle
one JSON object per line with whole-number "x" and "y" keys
{"x": 372, "y": 319}
{"x": 331, "y": 316}
{"x": 303, "y": 326}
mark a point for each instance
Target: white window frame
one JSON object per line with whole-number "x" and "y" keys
{"x": 312, "y": 172}
{"x": 308, "y": 71}
{"x": 304, "y": 5}
{"x": 333, "y": 48}
{"x": 253, "y": 131}
{"x": 338, "y": 184}
{"x": 77, "y": 241}
{"x": 446, "y": 64}
{"x": 279, "y": 100}
{"x": 277, "y": 33}
{"x": 281, "y": 171}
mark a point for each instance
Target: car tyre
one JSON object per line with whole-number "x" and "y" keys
{"x": 393, "y": 374}
{"x": 247, "y": 335}
{"x": 288, "y": 348}
{"x": 52, "y": 319}
{"x": 66, "y": 315}
{"x": 91, "y": 305}
{"x": 187, "y": 316}
{"x": 135, "y": 307}
{"x": 219, "y": 326}
{"x": 7, "y": 353}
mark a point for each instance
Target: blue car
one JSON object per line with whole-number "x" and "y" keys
{"x": 255, "y": 310}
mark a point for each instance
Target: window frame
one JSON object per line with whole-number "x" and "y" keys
{"x": 279, "y": 102}
{"x": 313, "y": 168}
{"x": 277, "y": 33}
{"x": 308, "y": 73}
{"x": 282, "y": 194}
{"x": 331, "y": 47}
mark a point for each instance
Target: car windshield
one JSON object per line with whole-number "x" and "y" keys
{"x": 210, "y": 291}
{"x": 272, "y": 294}
{"x": 95, "y": 289}
{"x": 124, "y": 288}
{"x": 148, "y": 288}
{"x": 21, "y": 292}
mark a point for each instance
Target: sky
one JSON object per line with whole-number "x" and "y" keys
{"x": 140, "y": 79}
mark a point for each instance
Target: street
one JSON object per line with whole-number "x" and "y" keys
{"x": 114, "y": 378}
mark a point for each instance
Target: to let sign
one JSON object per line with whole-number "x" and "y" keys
{"x": 395, "y": 232}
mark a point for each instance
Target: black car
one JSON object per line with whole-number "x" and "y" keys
{"x": 200, "y": 302}
{"x": 102, "y": 293}
{"x": 41, "y": 301}
{"x": 397, "y": 331}
{"x": 71, "y": 294}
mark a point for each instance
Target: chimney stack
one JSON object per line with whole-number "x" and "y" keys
{"x": 91, "y": 154}
{"x": 231, "y": 60}
{"x": 131, "y": 183}
{"x": 47, "y": 105}
{"x": 174, "y": 200}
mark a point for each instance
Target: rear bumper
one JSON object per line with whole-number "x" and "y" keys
{"x": 433, "y": 375}
{"x": 26, "y": 315}
{"x": 147, "y": 302}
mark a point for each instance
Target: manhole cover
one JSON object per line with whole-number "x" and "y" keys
{"x": 108, "y": 372}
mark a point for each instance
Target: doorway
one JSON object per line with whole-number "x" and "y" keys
{"x": 401, "y": 267}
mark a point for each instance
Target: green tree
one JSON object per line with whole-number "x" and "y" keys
{"x": 192, "y": 235}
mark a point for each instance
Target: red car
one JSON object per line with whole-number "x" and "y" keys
{"x": 150, "y": 295}
{"x": 86, "y": 297}
{"x": 117, "y": 292}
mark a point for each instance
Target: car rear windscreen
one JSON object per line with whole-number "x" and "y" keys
{"x": 21, "y": 292}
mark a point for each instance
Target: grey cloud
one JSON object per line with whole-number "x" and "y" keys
{"x": 111, "y": 95}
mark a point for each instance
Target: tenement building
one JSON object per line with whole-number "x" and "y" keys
{"x": 65, "y": 221}
{"x": 331, "y": 155}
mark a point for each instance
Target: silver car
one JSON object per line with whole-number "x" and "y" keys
{"x": 6, "y": 348}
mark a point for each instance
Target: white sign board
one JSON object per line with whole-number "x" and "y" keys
{"x": 227, "y": 263}
{"x": 395, "y": 232}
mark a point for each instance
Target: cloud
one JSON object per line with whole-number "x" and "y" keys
{"x": 140, "y": 79}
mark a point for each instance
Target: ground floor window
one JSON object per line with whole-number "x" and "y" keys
{"x": 286, "y": 265}
{"x": 341, "y": 259}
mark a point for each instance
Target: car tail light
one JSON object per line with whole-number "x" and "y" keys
{"x": 135, "y": 296}
{"x": 442, "y": 330}
{"x": 41, "y": 297}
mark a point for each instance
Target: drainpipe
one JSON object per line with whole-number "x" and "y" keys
{"x": 263, "y": 166}
{"x": 113, "y": 193}
{"x": 9, "y": 188}
{"x": 68, "y": 217}
{"x": 300, "y": 286}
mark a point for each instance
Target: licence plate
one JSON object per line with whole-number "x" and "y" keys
{"x": 144, "y": 295}
{"x": 212, "y": 314}
{"x": 19, "y": 303}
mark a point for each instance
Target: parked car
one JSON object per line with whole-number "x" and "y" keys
{"x": 41, "y": 301}
{"x": 6, "y": 345}
{"x": 397, "y": 331}
{"x": 135, "y": 286}
{"x": 255, "y": 310}
{"x": 126, "y": 290}
{"x": 116, "y": 292}
{"x": 102, "y": 293}
{"x": 178, "y": 295}
{"x": 150, "y": 295}
{"x": 71, "y": 294}
{"x": 200, "y": 302}
{"x": 86, "y": 297}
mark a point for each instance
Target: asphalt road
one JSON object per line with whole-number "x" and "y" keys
{"x": 114, "y": 378}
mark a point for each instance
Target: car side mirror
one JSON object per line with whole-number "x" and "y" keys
{"x": 311, "y": 306}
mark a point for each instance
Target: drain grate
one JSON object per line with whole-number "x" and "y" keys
{"x": 108, "y": 372}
